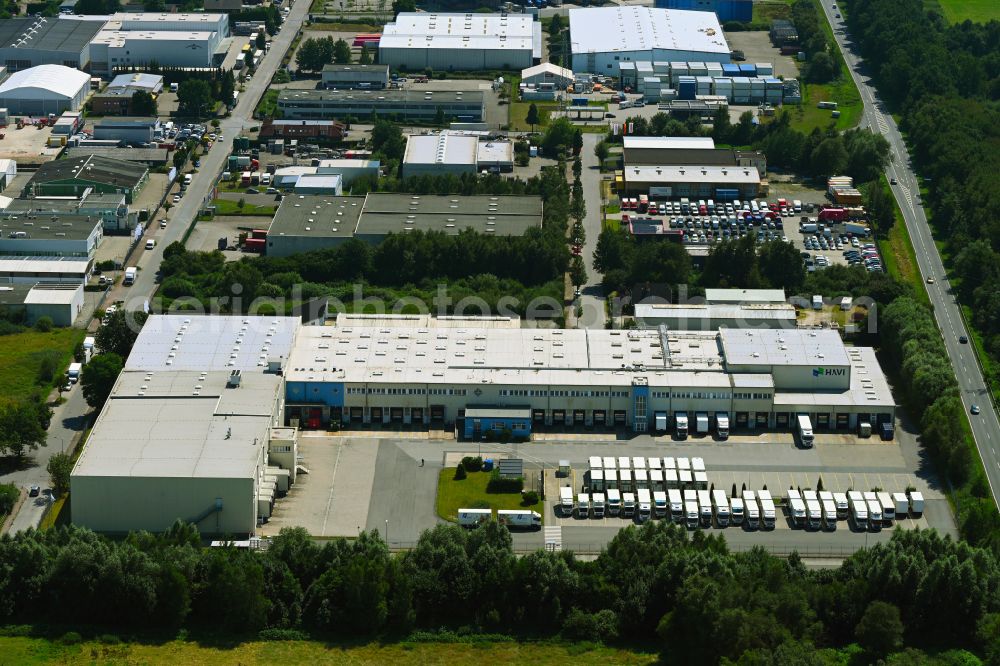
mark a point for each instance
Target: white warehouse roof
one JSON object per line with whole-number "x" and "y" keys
{"x": 452, "y": 31}
{"x": 443, "y": 148}
{"x": 780, "y": 347}
{"x": 744, "y": 295}
{"x": 669, "y": 142}
{"x": 626, "y": 29}
{"x": 546, "y": 68}
{"x": 737, "y": 175}
{"x": 37, "y": 81}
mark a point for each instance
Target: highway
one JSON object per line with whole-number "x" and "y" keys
{"x": 199, "y": 193}
{"x": 985, "y": 426}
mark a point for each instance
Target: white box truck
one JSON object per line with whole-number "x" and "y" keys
{"x": 705, "y": 508}
{"x": 583, "y": 505}
{"x": 566, "y": 500}
{"x": 625, "y": 480}
{"x": 614, "y": 502}
{"x": 684, "y": 478}
{"x": 843, "y": 507}
{"x": 681, "y": 422}
{"x": 722, "y": 424}
{"x": 888, "y": 508}
{"x": 520, "y": 519}
{"x": 628, "y": 505}
{"x": 805, "y": 429}
{"x": 611, "y": 479}
{"x": 624, "y": 462}
{"x": 595, "y": 463}
{"x": 737, "y": 512}
{"x": 767, "y": 510}
{"x": 697, "y": 464}
{"x": 645, "y": 504}
{"x": 660, "y": 421}
{"x": 720, "y": 506}
{"x": 859, "y": 510}
{"x": 676, "y": 505}
{"x": 700, "y": 480}
{"x": 597, "y": 504}
{"x": 684, "y": 463}
{"x": 474, "y": 517}
{"x": 916, "y": 504}
{"x": 596, "y": 480}
{"x": 874, "y": 515}
{"x": 73, "y": 373}
{"x": 814, "y": 514}
{"x": 796, "y": 508}
{"x": 752, "y": 509}
{"x": 701, "y": 422}
{"x": 641, "y": 478}
{"x": 691, "y": 513}
{"x": 902, "y": 503}
{"x": 659, "y": 504}
{"x": 129, "y": 279}
{"x": 829, "y": 514}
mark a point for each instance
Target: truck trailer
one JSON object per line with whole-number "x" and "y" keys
{"x": 659, "y": 504}
{"x": 681, "y": 421}
{"x": 676, "y": 505}
{"x": 722, "y": 424}
{"x": 705, "y": 508}
{"x": 752, "y": 509}
{"x": 520, "y": 519}
{"x": 597, "y": 504}
{"x": 805, "y": 430}
{"x": 628, "y": 505}
{"x": 645, "y": 504}
{"x": 737, "y": 512}
{"x": 916, "y": 504}
{"x": 796, "y": 508}
{"x": 583, "y": 505}
{"x": 474, "y": 517}
{"x": 614, "y": 502}
{"x": 767, "y": 510}
{"x": 888, "y": 508}
{"x": 566, "y": 500}
{"x": 720, "y": 505}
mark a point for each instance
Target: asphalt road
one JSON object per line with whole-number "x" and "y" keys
{"x": 985, "y": 426}
{"x": 199, "y": 192}
{"x": 592, "y": 294}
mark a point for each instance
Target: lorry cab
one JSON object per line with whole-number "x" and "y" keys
{"x": 614, "y": 502}
{"x": 645, "y": 505}
{"x": 796, "y": 508}
{"x": 628, "y": 505}
{"x": 681, "y": 419}
{"x": 691, "y": 514}
{"x": 737, "y": 511}
{"x": 752, "y": 509}
{"x": 676, "y": 505}
{"x": 705, "y": 508}
{"x": 659, "y": 503}
{"x": 566, "y": 500}
{"x": 597, "y": 502}
{"x": 583, "y": 505}
{"x": 720, "y": 504}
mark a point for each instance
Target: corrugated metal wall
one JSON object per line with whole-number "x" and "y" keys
{"x": 726, "y": 10}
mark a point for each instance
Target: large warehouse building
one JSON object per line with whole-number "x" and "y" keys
{"x": 189, "y": 431}
{"x": 418, "y": 369}
{"x": 725, "y": 10}
{"x": 417, "y": 41}
{"x": 74, "y": 176}
{"x": 174, "y": 40}
{"x": 455, "y": 153}
{"x": 602, "y": 37}
{"x": 412, "y": 105}
{"x": 44, "y": 89}
{"x": 39, "y": 40}
{"x": 307, "y": 223}
{"x": 712, "y": 317}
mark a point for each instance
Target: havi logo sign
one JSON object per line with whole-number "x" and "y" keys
{"x": 829, "y": 372}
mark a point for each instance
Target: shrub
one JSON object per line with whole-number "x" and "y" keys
{"x": 109, "y": 639}
{"x": 460, "y": 472}
{"x": 499, "y": 484}
{"x": 71, "y": 638}
{"x": 602, "y": 625}
{"x": 8, "y": 496}
{"x": 282, "y": 635}
{"x": 44, "y": 324}
{"x": 473, "y": 463}
{"x": 529, "y": 498}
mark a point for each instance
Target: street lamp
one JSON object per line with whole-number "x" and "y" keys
{"x": 386, "y": 531}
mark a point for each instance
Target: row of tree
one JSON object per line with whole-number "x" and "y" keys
{"x": 700, "y": 601}
{"x": 314, "y": 54}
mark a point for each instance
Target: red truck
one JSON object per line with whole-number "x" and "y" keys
{"x": 833, "y": 214}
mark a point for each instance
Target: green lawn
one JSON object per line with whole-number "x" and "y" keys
{"x": 470, "y": 493}
{"x": 268, "y": 105}
{"x": 980, "y": 11}
{"x": 899, "y": 257}
{"x": 22, "y": 354}
{"x": 230, "y": 207}
{"x": 20, "y": 650}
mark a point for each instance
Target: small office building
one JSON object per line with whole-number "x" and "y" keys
{"x": 455, "y": 153}
{"x": 547, "y": 74}
{"x": 75, "y": 176}
{"x": 411, "y": 105}
{"x": 56, "y": 235}
{"x": 130, "y": 131}
{"x": 62, "y": 303}
{"x": 707, "y": 182}
{"x": 32, "y": 270}
{"x": 338, "y": 77}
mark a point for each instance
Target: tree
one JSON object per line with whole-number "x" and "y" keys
{"x": 59, "y": 467}
{"x": 829, "y": 157}
{"x": 439, "y": 116}
{"x": 460, "y": 472}
{"x": 881, "y": 208}
{"x": 43, "y": 324}
{"x": 558, "y": 137}
{"x": 97, "y": 7}
{"x": 119, "y": 333}
{"x": 577, "y": 141}
{"x": 532, "y": 118}
{"x": 822, "y": 68}
{"x": 22, "y": 426}
{"x": 365, "y": 57}
{"x": 602, "y": 151}
{"x": 780, "y": 265}
{"x": 99, "y": 377}
{"x": 143, "y": 104}
{"x": 880, "y": 630}
{"x": 388, "y": 139}
{"x": 578, "y": 272}
{"x": 261, "y": 41}
{"x": 341, "y": 52}
{"x": 308, "y": 55}
{"x": 403, "y": 6}
{"x": 193, "y": 95}
{"x": 227, "y": 86}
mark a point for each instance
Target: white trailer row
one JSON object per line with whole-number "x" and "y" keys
{"x": 513, "y": 519}
{"x": 637, "y": 473}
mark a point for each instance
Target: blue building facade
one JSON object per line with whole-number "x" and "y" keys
{"x": 726, "y": 10}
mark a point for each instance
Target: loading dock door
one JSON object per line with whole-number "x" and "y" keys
{"x": 357, "y": 414}
{"x": 538, "y": 415}
{"x": 417, "y": 415}
{"x": 376, "y": 414}
{"x": 823, "y": 421}
{"x": 742, "y": 418}
{"x": 780, "y": 420}
{"x": 619, "y": 417}
{"x": 600, "y": 417}
{"x": 578, "y": 417}
{"x": 396, "y": 414}
{"x": 661, "y": 421}
{"x": 437, "y": 412}
{"x": 842, "y": 421}
{"x": 559, "y": 416}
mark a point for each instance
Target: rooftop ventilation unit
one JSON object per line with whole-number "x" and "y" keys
{"x": 234, "y": 379}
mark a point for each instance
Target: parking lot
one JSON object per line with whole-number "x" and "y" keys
{"x": 27, "y": 145}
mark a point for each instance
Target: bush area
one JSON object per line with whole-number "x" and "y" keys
{"x": 687, "y": 596}
{"x": 472, "y": 491}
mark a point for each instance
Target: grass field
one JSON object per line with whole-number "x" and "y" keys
{"x": 22, "y": 354}
{"x": 230, "y": 207}
{"x": 18, "y": 650}
{"x": 470, "y": 493}
{"x": 979, "y": 11}
{"x": 899, "y": 257}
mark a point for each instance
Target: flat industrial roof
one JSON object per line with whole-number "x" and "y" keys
{"x": 69, "y": 227}
{"x": 44, "y": 265}
{"x": 783, "y": 347}
{"x": 119, "y": 173}
{"x": 409, "y": 96}
{"x": 744, "y": 295}
{"x": 869, "y": 386}
{"x": 735, "y": 175}
{"x": 502, "y": 215}
{"x": 14, "y": 294}
{"x": 750, "y": 312}
{"x": 441, "y": 148}
{"x": 120, "y": 37}
{"x": 137, "y": 80}
{"x": 182, "y": 425}
{"x": 426, "y": 30}
{"x": 319, "y": 216}
{"x": 626, "y": 29}
{"x": 374, "y": 69}
{"x": 209, "y": 343}
{"x": 665, "y": 142}
{"x": 144, "y": 155}
{"x": 53, "y": 294}
{"x": 48, "y": 33}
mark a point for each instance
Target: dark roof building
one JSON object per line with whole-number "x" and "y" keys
{"x": 32, "y": 41}
{"x": 412, "y": 105}
{"x": 72, "y": 176}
